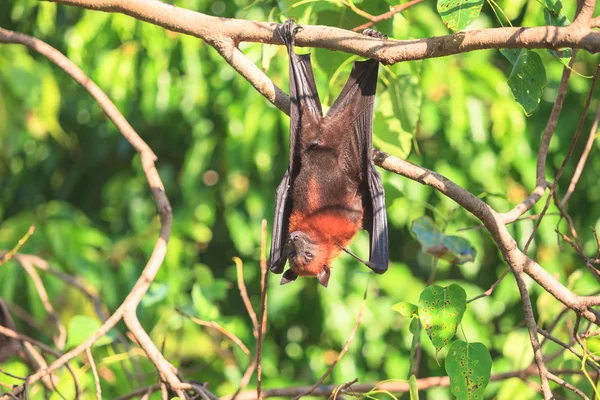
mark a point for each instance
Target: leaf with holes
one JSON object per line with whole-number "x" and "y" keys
{"x": 454, "y": 249}
{"x": 441, "y": 309}
{"x": 457, "y": 14}
{"x": 527, "y": 79}
{"x": 469, "y": 366}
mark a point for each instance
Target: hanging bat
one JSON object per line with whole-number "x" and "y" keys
{"x": 331, "y": 189}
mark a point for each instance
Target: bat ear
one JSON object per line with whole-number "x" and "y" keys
{"x": 324, "y": 275}
{"x": 288, "y": 276}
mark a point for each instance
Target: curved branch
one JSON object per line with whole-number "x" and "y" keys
{"x": 127, "y": 309}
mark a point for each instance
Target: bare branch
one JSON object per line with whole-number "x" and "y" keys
{"x": 582, "y": 160}
{"x": 95, "y": 372}
{"x": 567, "y": 385}
{"x": 61, "y": 339}
{"x": 491, "y": 289}
{"x": 397, "y": 386}
{"x": 127, "y": 310}
{"x": 533, "y": 328}
{"x": 515, "y": 258}
{"x": 225, "y": 34}
{"x": 567, "y": 157}
{"x": 244, "y": 293}
{"x": 387, "y": 15}
{"x": 217, "y": 326}
{"x": 15, "y": 249}
{"x": 262, "y": 325}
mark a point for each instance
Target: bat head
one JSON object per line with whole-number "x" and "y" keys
{"x": 307, "y": 258}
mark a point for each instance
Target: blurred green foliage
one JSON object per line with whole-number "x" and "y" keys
{"x": 222, "y": 149}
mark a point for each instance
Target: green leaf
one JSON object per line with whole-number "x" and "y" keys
{"x": 406, "y": 309}
{"x": 454, "y": 249}
{"x": 441, "y": 310}
{"x": 414, "y": 390}
{"x": 415, "y": 329}
{"x": 553, "y": 16}
{"x": 512, "y": 55}
{"x": 81, "y": 327}
{"x": 527, "y": 79}
{"x": 457, "y": 14}
{"x": 406, "y": 96}
{"x": 469, "y": 366}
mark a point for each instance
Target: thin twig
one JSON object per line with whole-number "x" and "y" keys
{"x": 244, "y": 293}
{"x": 567, "y": 347}
{"x": 15, "y": 249}
{"x": 262, "y": 326}
{"x": 567, "y": 385}
{"x": 582, "y": 159}
{"x": 61, "y": 338}
{"x": 567, "y": 157}
{"x": 533, "y": 328}
{"x": 217, "y": 326}
{"x": 95, "y": 372}
{"x": 140, "y": 391}
{"x": 398, "y": 386}
{"x": 492, "y": 288}
{"x": 387, "y": 15}
{"x": 540, "y": 170}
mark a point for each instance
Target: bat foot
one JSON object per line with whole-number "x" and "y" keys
{"x": 374, "y": 34}
{"x": 287, "y": 31}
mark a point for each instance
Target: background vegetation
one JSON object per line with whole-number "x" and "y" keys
{"x": 222, "y": 149}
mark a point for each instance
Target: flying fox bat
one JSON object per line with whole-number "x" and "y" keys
{"x": 331, "y": 189}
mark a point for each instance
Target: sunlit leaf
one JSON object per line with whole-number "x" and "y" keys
{"x": 406, "y": 309}
{"x": 414, "y": 389}
{"x": 469, "y": 366}
{"x": 441, "y": 309}
{"x": 458, "y": 14}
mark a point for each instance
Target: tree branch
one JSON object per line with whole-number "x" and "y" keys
{"x": 395, "y": 386}
{"x": 224, "y": 34}
{"x": 127, "y": 310}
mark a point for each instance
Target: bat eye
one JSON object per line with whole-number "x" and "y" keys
{"x": 308, "y": 255}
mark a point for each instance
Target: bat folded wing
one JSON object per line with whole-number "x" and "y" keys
{"x": 376, "y": 225}
{"x": 281, "y": 220}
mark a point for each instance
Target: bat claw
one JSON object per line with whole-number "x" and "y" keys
{"x": 374, "y": 34}
{"x": 287, "y": 31}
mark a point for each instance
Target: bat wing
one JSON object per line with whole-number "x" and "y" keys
{"x": 305, "y": 112}
{"x": 354, "y": 109}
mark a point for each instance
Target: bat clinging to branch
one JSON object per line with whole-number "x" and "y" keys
{"x": 331, "y": 189}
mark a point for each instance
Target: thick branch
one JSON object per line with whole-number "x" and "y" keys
{"x": 224, "y": 34}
